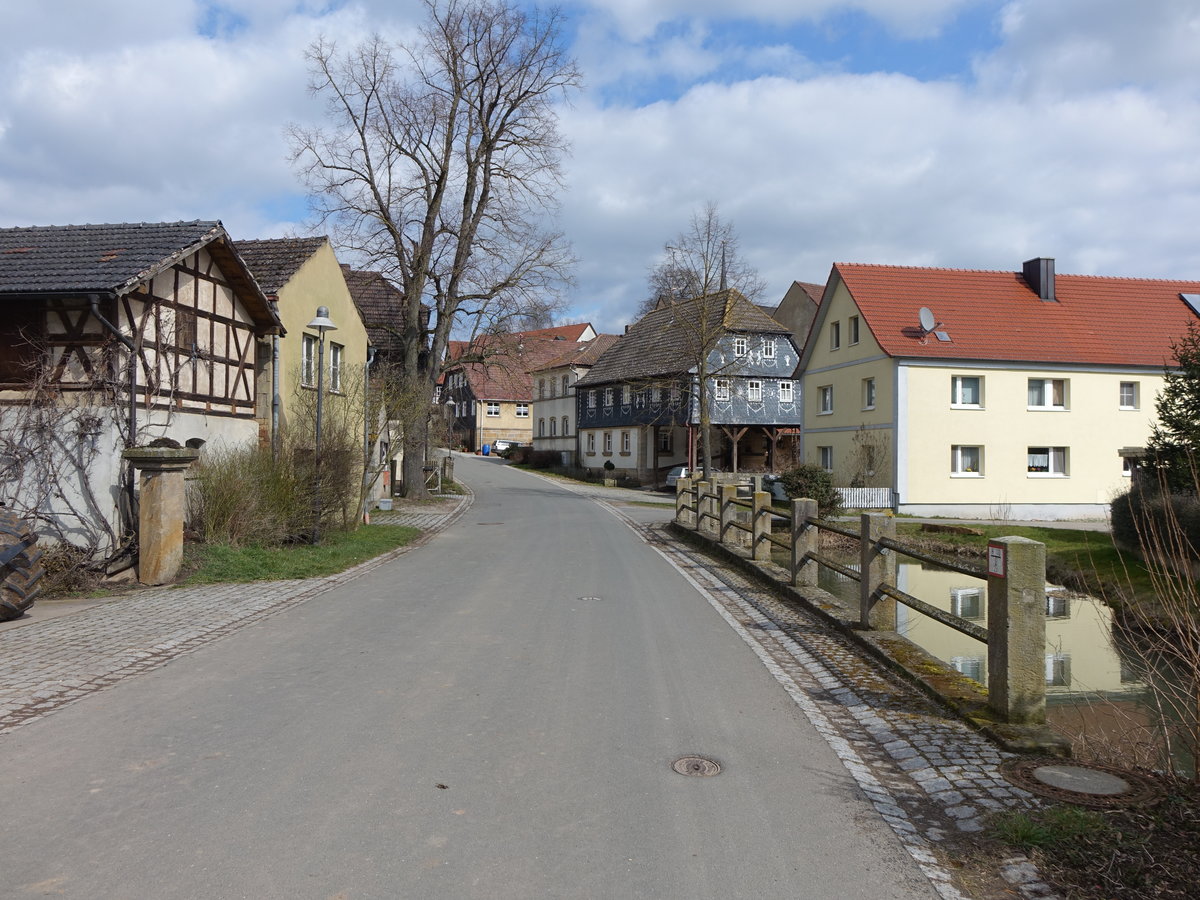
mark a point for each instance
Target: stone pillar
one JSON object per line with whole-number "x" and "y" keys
{"x": 728, "y": 512}
{"x": 1016, "y": 611}
{"x": 161, "y": 504}
{"x": 876, "y": 566}
{"x": 685, "y": 503}
{"x": 704, "y": 507}
{"x": 805, "y": 539}
{"x": 762, "y": 527}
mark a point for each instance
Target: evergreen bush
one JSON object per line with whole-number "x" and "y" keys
{"x": 814, "y": 483}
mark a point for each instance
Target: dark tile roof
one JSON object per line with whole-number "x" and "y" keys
{"x": 585, "y": 354}
{"x": 275, "y": 260}
{"x": 381, "y": 306}
{"x": 79, "y": 258}
{"x": 665, "y": 341}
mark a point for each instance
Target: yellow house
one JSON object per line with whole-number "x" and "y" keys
{"x": 987, "y": 394}
{"x": 299, "y": 275}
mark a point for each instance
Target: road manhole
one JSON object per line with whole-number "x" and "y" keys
{"x": 696, "y": 766}
{"x": 1084, "y": 784}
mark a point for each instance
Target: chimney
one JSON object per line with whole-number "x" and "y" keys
{"x": 627, "y": 329}
{"x": 1039, "y": 274}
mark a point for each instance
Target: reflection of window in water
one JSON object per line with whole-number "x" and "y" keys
{"x": 1058, "y": 606}
{"x": 971, "y": 666}
{"x": 1129, "y": 672}
{"x": 1058, "y": 669}
{"x": 967, "y": 603}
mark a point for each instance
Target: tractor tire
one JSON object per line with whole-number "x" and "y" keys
{"x": 20, "y": 566}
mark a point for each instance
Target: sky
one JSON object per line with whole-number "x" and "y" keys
{"x": 969, "y": 134}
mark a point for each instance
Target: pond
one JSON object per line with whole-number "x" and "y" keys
{"x": 1096, "y": 694}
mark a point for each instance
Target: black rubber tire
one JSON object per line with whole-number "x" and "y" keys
{"x": 20, "y": 576}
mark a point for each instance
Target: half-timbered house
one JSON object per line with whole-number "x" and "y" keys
{"x": 113, "y": 335}
{"x": 639, "y": 406}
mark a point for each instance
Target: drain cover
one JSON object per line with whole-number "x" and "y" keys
{"x": 697, "y": 766}
{"x": 1084, "y": 784}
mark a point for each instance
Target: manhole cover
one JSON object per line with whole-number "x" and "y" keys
{"x": 698, "y": 766}
{"x": 1084, "y": 784}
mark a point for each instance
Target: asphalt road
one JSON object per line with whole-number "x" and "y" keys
{"x": 493, "y": 715}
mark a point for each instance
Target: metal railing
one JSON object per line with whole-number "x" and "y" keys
{"x": 744, "y": 520}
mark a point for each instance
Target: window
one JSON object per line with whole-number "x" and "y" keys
{"x": 825, "y": 392}
{"x": 786, "y": 394}
{"x": 1058, "y": 669}
{"x": 826, "y": 454}
{"x": 336, "y": 352}
{"x": 1047, "y": 393}
{"x": 591, "y": 399}
{"x": 868, "y": 393}
{"x": 624, "y": 441}
{"x": 553, "y": 427}
{"x": 608, "y": 396}
{"x": 1126, "y": 466}
{"x": 541, "y": 427}
{"x": 625, "y": 394}
{"x": 967, "y": 603}
{"x": 550, "y": 382}
{"x": 1129, "y": 395}
{"x": 1058, "y": 606}
{"x": 493, "y": 408}
{"x": 541, "y": 389}
{"x": 566, "y": 383}
{"x": 722, "y": 389}
{"x": 740, "y": 346}
{"x": 591, "y": 442}
{"x": 754, "y": 391}
{"x": 1050, "y": 461}
{"x": 185, "y": 330}
{"x": 835, "y": 335}
{"x": 522, "y": 410}
{"x": 768, "y": 348}
{"x": 971, "y": 666}
{"x": 608, "y": 442}
{"x": 966, "y": 460}
{"x": 566, "y": 426}
{"x": 674, "y": 395}
{"x": 966, "y": 390}
{"x": 639, "y": 399}
{"x": 655, "y": 396}
{"x": 308, "y": 361}
{"x": 665, "y": 440}
{"x": 852, "y": 328}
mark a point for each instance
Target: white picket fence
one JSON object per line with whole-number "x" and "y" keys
{"x": 866, "y": 497}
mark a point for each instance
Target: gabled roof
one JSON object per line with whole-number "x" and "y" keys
{"x": 666, "y": 340}
{"x": 998, "y": 316}
{"x": 584, "y": 355}
{"x": 116, "y": 258}
{"x": 504, "y": 373}
{"x": 381, "y": 306}
{"x": 576, "y": 332}
{"x": 275, "y": 260}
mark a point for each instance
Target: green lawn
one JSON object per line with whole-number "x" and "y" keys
{"x": 338, "y": 551}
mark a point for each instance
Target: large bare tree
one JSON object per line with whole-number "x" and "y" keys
{"x": 702, "y": 259}
{"x": 439, "y": 166}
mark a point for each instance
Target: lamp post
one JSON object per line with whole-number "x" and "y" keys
{"x": 321, "y": 324}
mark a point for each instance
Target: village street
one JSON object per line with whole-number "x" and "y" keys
{"x": 493, "y": 714}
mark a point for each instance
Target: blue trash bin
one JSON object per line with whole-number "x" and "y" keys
{"x": 487, "y": 449}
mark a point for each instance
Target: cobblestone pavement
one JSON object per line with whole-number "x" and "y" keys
{"x": 930, "y": 776}
{"x": 46, "y": 665}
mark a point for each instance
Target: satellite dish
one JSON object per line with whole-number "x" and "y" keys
{"x": 928, "y": 319}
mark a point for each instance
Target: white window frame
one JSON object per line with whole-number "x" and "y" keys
{"x": 968, "y": 602}
{"x": 541, "y": 389}
{"x": 308, "y": 361}
{"x": 754, "y": 391}
{"x": 721, "y": 389}
{"x": 956, "y": 391}
{"x": 1058, "y": 462}
{"x": 591, "y": 399}
{"x": 493, "y": 409}
{"x": 868, "y": 393}
{"x": 961, "y": 461}
{"x": 566, "y": 426}
{"x": 608, "y": 442}
{"x": 626, "y": 394}
{"x": 337, "y": 353}
{"x": 591, "y": 442}
{"x": 666, "y": 440}
{"x": 1045, "y": 386}
{"x": 522, "y": 410}
{"x": 553, "y": 427}
{"x": 608, "y": 396}
{"x": 625, "y": 442}
{"x": 769, "y": 348}
{"x": 787, "y": 392}
{"x": 542, "y": 427}
{"x": 825, "y": 393}
{"x": 566, "y": 384}
{"x": 1131, "y": 398}
{"x": 741, "y": 346}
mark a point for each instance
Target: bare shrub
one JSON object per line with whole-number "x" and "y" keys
{"x": 244, "y": 496}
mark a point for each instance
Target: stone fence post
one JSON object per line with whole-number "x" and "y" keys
{"x": 161, "y": 504}
{"x": 876, "y": 566}
{"x": 1016, "y": 611}
{"x": 761, "y": 527}
{"x": 686, "y": 507}
{"x": 726, "y": 494}
{"x": 805, "y": 539}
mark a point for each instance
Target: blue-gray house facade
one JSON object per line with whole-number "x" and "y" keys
{"x": 639, "y": 406}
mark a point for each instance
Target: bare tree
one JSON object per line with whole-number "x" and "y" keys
{"x": 702, "y": 260}
{"x": 439, "y": 167}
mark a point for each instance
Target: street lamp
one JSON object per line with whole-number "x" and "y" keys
{"x": 321, "y": 324}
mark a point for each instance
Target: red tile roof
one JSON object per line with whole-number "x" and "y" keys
{"x": 997, "y": 316}
{"x": 504, "y": 374}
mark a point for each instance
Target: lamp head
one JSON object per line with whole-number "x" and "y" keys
{"x": 322, "y": 321}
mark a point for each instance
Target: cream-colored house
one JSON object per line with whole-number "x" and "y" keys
{"x": 299, "y": 275}
{"x": 987, "y": 394}
{"x": 554, "y": 414}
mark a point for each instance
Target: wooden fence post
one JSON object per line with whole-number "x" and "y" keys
{"x": 805, "y": 540}
{"x": 761, "y": 525}
{"x": 1016, "y": 610}
{"x": 876, "y": 566}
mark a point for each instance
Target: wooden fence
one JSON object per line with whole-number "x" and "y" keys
{"x": 744, "y": 520}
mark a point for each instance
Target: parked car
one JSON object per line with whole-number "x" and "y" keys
{"x": 678, "y": 472}
{"x": 503, "y": 444}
